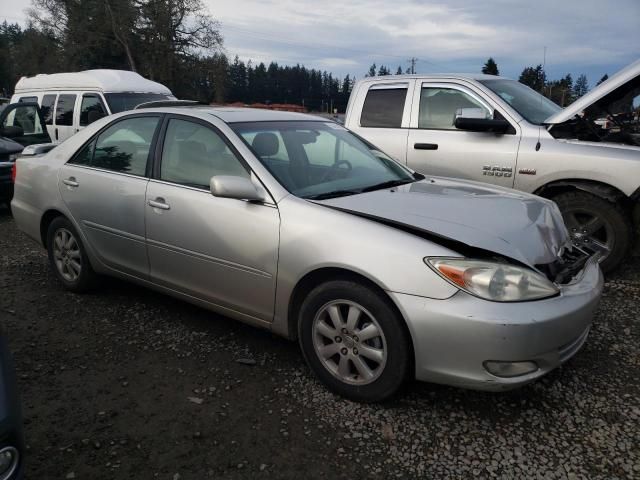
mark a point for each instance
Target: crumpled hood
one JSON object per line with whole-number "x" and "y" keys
{"x": 517, "y": 225}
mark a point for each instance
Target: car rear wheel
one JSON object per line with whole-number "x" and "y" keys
{"x": 67, "y": 256}
{"x": 355, "y": 342}
{"x": 597, "y": 226}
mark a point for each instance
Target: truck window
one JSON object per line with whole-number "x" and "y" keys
{"x": 439, "y": 106}
{"x": 91, "y": 103}
{"x": 64, "y": 109}
{"x": 47, "y": 108}
{"x": 383, "y": 107}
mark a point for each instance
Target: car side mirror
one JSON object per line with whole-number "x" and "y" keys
{"x": 240, "y": 188}
{"x": 11, "y": 132}
{"x": 482, "y": 125}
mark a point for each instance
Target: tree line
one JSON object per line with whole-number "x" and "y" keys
{"x": 179, "y": 44}
{"x": 174, "y": 42}
{"x": 563, "y": 91}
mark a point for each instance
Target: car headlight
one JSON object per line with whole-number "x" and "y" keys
{"x": 494, "y": 281}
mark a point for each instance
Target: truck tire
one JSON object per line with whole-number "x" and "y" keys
{"x": 596, "y": 225}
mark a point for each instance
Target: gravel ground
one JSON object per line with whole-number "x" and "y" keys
{"x": 128, "y": 383}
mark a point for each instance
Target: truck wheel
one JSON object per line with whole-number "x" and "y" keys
{"x": 354, "y": 341}
{"x": 597, "y": 225}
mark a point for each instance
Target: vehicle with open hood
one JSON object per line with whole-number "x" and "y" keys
{"x": 294, "y": 224}
{"x": 585, "y": 157}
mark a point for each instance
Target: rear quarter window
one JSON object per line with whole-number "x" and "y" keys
{"x": 383, "y": 107}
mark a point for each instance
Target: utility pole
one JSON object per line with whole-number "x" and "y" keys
{"x": 413, "y": 61}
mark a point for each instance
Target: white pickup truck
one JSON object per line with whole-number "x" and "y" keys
{"x": 495, "y": 130}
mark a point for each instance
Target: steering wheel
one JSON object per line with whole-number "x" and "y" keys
{"x": 334, "y": 168}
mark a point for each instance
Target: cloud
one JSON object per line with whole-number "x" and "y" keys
{"x": 591, "y": 36}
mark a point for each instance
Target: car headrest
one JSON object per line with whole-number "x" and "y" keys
{"x": 265, "y": 144}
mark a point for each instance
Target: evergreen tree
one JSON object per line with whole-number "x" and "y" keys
{"x": 372, "y": 71}
{"x": 382, "y": 71}
{"x": 399, "y": 71}
{"x": 534, "y": 77}
{"x": 581, "y": 86}
{"x": 490, "y": 67}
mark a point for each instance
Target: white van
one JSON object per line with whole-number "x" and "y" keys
{"x": 71, "y": 101}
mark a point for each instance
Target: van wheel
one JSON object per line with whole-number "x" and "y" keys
{"x": 597, "y": 225}
{"x": 68, "y": 257}
{"x": 354, "y": 341}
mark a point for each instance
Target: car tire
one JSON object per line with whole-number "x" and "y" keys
{"x": 368, "y": 369}
{"x": 616, "y": 229}
{"x": 68, "y": 257}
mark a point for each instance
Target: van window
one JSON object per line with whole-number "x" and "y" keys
{"x": 383, "y": 108}
{"x": 91, "y": 103}
{"x": 439, "y": 107}
{"x": 119, "y": 102}
{"x": 28, "y": 100}
{"x": 64, "y": 109}
{"x": 48, "y": 102}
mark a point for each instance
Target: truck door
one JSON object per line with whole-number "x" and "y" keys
{"x": 63, "y": 126}
{"x": 436, "y": 147}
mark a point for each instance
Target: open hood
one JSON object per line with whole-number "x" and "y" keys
{"x": 513, "y": 224}
{"x": 618, "y": 81}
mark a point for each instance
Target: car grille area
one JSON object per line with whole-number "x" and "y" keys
{"x": 569, "y": 264}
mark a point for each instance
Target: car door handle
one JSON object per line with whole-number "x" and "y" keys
{"x": 70, "y": 182}
{"x": 159, "y": 203}
{"x": 425, "y": 146}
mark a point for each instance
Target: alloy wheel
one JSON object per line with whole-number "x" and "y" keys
{"x": 66, "y": 255}
{"x": 349, "y": 342}
{"x": 589, "y": 231}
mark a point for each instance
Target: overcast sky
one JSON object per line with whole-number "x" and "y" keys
{"x": 582, "y": 36}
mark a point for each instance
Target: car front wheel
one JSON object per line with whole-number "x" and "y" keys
{"x": 67, "y": 256}
{"x": 597, "y": 226}
{"x": 354, "y": 341}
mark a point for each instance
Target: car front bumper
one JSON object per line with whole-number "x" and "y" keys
{"x": 453, "y": 338}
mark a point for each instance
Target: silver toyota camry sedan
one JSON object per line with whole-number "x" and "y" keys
{"x": 292, "y": 223}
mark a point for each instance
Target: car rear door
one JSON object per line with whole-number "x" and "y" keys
{"x": 436, "y": 147}
{"x": 384, "y": 108}
{"x": 220, "y": 250}
{"x": 104, "y": 186}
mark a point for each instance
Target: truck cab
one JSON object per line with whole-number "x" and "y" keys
{"x": 499, "y": 131}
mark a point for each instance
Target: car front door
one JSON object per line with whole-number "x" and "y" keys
{"x": 104, "y": 187}
{"x": 220, "y": 250}
{"x": 436, "y": 147}
{"x": 24, "y": 124}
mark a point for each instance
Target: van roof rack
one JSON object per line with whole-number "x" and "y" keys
{"x": 170, "y": 103}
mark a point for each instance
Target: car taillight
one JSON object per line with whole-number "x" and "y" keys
{"x": 13, "y": 172}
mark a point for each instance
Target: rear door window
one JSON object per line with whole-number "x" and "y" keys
{"x": 383, "y": 107}
{"x": 48, "y": 102}
{"x": 123, "y": 147}
{"x": 64, "y": 110}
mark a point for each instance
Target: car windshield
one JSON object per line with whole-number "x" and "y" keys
{"x": 119, "y": 102}
{"x": 527, "y": 102}
{"x": 320, "y": 159}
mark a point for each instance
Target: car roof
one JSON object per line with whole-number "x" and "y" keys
{"x": 238, "y": 114}
{"x": 102, "y": 79}
{"x": 457, "y": 76}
